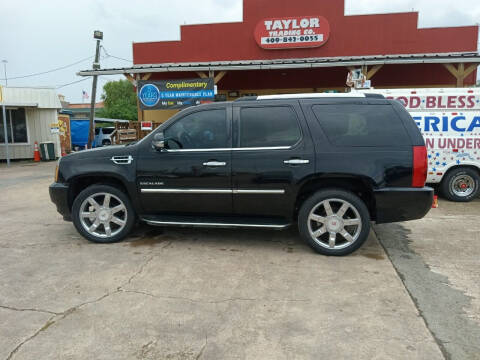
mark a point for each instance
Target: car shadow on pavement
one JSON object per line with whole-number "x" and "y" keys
{"x": 237, "y": 240}
{"x": 230, "y": 239}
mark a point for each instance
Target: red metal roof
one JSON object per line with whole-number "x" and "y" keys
{"x": 356, "y": 35}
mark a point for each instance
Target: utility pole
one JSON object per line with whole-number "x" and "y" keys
{"x": 96, "y": 66}
{"x": 5, "y": 134}
{"x": 5, "y": 71}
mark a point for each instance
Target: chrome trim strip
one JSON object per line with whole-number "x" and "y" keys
{"x": 207, "y": 224}
{"x": 259, "y": 191}
{"x": 232, "y": 149}
{"x": 186, "y": 191}
{"x": 197, "y": 150}
{"x": 263, "y": 148}
{"x": 210, "y": 191}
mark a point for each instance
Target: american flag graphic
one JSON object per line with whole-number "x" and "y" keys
{"x": 85, "y": 95}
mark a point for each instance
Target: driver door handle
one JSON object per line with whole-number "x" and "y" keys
{"x": 296, "y": 161}
{"x": 214, "y": 163}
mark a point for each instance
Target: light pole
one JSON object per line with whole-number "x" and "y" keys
{"x": 5, "y": 71}
{"x": 98, "y": 35}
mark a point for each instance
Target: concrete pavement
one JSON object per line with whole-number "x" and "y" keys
{"x": 438, "y": 259}
{"x": 190, "y": 293}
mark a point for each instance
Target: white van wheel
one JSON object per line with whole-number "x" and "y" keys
{"x": 461, "y": 184}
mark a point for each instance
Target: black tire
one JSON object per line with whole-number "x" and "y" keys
{"x": 358, "y": 212}
{"x": 106, "y": 143}
{"x": 454, "y": 177}
{"x": 128, "y": 216}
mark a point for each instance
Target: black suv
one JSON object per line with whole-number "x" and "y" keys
{"x": 332, "y": 163}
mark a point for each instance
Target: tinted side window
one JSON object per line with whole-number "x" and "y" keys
{"x": 268, "y": 126}
{"x": 200, "y": 130}
{"x": 361, "y": 125}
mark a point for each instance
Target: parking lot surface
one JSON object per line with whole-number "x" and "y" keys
{"x": 171, "y": 293}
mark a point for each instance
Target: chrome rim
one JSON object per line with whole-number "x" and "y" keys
{"x": 463, "y": 185}
{"x": 334, "y": 224}
{"x": 103, "y": 215}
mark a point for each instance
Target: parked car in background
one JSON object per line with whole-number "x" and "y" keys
{"x": 331, "y": 163}
{"x": 103, "y": 136}
{"x": 449, "y": 120}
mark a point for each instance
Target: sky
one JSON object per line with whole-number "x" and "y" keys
{"x": 41, "y": 35}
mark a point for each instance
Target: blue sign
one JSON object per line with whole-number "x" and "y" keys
{"x": 175, "y": 94}
{"x": 149, "y": 95}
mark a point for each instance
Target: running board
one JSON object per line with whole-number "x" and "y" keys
{"x": 220, "y": 222}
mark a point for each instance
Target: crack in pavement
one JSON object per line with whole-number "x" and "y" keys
{"x": 439, "y": 304}
{"x": 62, "y": 315}
{"x": 203, "y": 348}
{"x": 54, "y": 319}
{"x": 168, "y": 297}
{"x": 29, "y": 309}
{"x": 121, "y": 289}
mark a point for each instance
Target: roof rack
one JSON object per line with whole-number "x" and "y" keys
{"x": 311, "y": 96}
{"x": 246, "y": 98}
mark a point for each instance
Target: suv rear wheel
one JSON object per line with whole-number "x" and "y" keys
{"x": 461, "y": 185}
{"x": 334, "y": 222}
{"x": 103, "y": 214}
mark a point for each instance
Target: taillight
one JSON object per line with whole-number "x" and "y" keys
{"x": 420, "y": 166}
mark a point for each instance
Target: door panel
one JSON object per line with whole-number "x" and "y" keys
{"x": 265, "y": 179}
{"x": 179, "y": 182}
{"x": 193, "y": 174}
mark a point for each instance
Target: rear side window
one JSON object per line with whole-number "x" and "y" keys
{"x": 268, "y": 127}
{"x": 361, "y": 125}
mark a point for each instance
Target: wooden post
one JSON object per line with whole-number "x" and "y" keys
{"x": 373, "y": 71}
{"x": 460, "y": 73}
{"x": 470, "y": 69}
{"x": 139, "y": 109}
{"x": 219, "y": 77}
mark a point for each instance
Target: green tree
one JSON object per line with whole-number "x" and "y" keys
{"x": 120, "y": 101}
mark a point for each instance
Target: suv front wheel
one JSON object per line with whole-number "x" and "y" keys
{"x": 103, "y": 214}
{"x": 334, "y": 222}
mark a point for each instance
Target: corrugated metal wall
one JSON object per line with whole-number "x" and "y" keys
{"x": 44, "y": 97}
{"x": 38, "y": 122}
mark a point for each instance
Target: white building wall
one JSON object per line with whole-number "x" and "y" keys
{"x": 38, "y": 129}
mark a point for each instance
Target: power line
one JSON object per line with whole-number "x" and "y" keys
{"x": 49, "y": 71}
{"x": 113, "y": 56}
{"x": 73, "y": 82}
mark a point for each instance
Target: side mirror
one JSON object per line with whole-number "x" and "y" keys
{"x": 158, "y": 142}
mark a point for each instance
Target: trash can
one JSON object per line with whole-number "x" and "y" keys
{"x": 47, "y": 151}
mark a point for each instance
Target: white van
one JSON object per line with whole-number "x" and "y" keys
{"x": 449, "y": 120}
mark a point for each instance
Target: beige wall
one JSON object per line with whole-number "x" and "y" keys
{"x": 38, "y": 129}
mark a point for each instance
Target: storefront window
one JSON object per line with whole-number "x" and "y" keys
{"x": 16, "y": 126}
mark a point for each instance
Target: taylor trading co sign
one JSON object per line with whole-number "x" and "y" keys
{"x": 292, "y": 32}
{"x": 175, "y": 94}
